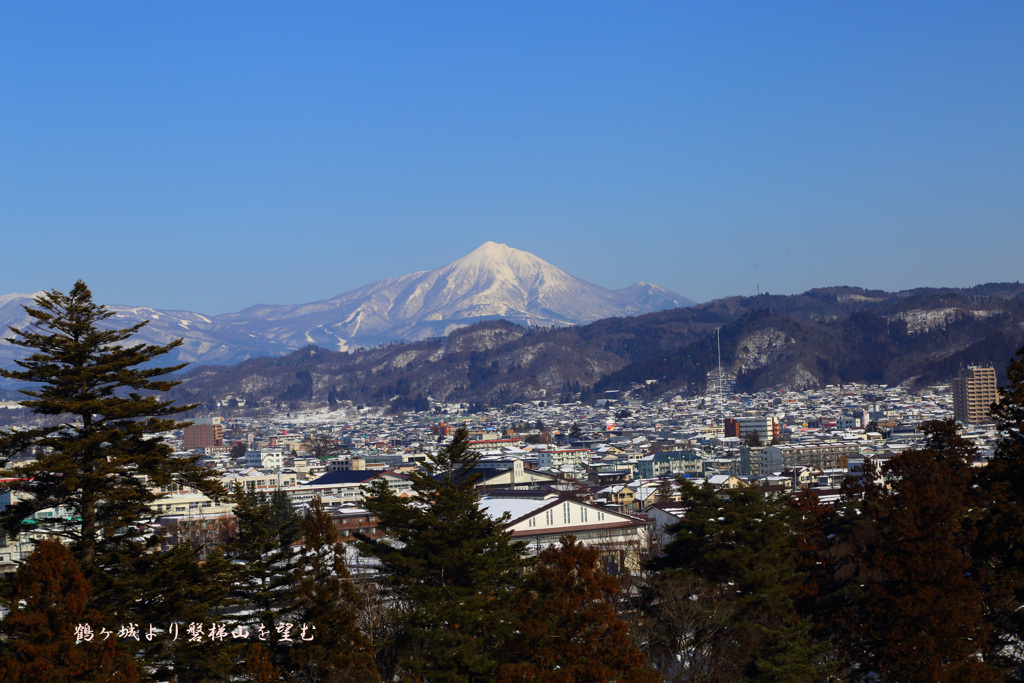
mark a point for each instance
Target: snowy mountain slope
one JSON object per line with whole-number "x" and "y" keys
{"x": 494, "y": 281}
{"x": 653, "y": 297}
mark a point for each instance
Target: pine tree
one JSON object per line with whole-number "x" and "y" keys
{"x": 567, "y": 629}
{"x": 324, "y": 600}
{"x": 832, "y": 556}
{"x": 48, "y": 606}
{"x": 665, "y": 492}
{"x": 738, "y": 549}
{"x": 918, "y": 616}
{"x": 452, "y": 566}
{"x": 999, "y": 548}
{"x": 96, "y": 461}
{"x": 264, "y": 554}
{"x": 175, "y": 590}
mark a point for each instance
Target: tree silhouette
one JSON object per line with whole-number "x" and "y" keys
{"x": 48, "y": 605}
{"x": 450, "y": 563}
{"x": 324, "y": 600}
{"x": 918, "y": 617}
{"x": 567, "y": 629}
{"x": 999, "y": 548}
{"x": 96, "y": 463}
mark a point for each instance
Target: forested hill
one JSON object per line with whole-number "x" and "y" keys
{"x": 823, "y": 336}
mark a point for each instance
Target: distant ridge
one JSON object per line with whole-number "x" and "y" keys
{"x": 800, "y": 342}
{"x": 493, "y": 282}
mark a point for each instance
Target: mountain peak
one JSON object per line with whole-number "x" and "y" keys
{"x": 498, "y": 253}
{"x": 492, "y": 248}
{"x": 653, "y": 297}
{"x": 491, "y": 282}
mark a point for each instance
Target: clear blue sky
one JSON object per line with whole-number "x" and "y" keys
{"x": 209, "y": 156}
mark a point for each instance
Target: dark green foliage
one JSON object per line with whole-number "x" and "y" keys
{"x": 98, "y": 468}
{"x": 735, "y": 556}
{"x": 999, "y": 547}
{"x": 264, "y": 556}
{"x": 451, "y": 566}
{"x": 176, "y": 587}
{"x": 665, "y": 491}
{"x": 96, "y": 460}
{"x": 324, "y": 599}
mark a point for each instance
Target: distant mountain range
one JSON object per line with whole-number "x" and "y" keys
{"x": 800, "y": 342}
{"x": 501, "y": 325}
{"x": 494, "y": 282}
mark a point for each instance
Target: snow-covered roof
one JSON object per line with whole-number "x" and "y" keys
{"x": 516, "y": 507}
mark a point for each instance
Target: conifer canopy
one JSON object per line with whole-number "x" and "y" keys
{"x": 97, "y": 467}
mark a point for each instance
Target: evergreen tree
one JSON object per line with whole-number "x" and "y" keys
{"x": 831, "y": 548}
{"x": 451, "y": 564}
{"x": 567, "y": 629}
{"x": 738, "y": 548}
{"x": 918, "y": 615}
{"x": 97, "y": 461}
{"x": 325, "y": 601}
{"x": 174, "y": 591}
{"x": 44, "y": 636}
{"x": 665, "y": 491}
{"x": 999, "y": 549}
{"x": 264, "y": 555}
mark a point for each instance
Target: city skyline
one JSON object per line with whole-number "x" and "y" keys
{"x": 212, "y": 158}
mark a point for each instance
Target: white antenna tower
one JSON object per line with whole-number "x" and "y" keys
{"x": 718, "y": 331}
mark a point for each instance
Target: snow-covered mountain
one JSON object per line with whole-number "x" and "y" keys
{"x": 494, "y": 281}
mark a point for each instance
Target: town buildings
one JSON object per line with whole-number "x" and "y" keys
{"x": 608, "y": 466}
{"x": 974, "y": 391}
{"x": 204, "y": 432}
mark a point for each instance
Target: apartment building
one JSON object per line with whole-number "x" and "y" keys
{"x": 974, "y": 390}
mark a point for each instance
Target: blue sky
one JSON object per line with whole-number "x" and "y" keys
{"x": 210, "y": 156}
